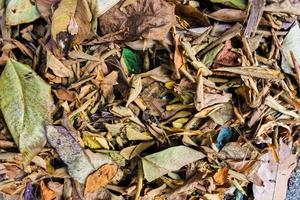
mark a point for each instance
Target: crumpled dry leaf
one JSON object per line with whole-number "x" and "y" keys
{"x": 171, "y": 159}
{"x": 20, "y": 11}
{"x": 136, "y": 88}
{"x": 150, "y": 19}
{"x": 58, "y": 68}
{"x": 275, "y": 176}
{"x": 80, "y": 164}
{"x": 107, "y": 85}
{"x": 26, "y": 104}
{"x": 100, "y": 178}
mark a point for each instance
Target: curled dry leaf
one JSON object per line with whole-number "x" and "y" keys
{"x": 100, "y": 178}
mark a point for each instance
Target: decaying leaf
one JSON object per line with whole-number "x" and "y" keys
{"x": 80, "y": 164}
{"x": 140, "y": 89}
{"x": 26, "y": 104}
{"x": 61, "y": 19}
{"x": 100, "y": 178}
{"x": 150, "y": 19}
{"x": 171, "y": 159}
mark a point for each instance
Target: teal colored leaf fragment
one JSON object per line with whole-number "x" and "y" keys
{"x": 131, "y": 61}
{"x": 224, "y": 137}
{"x": 26, "y": 104}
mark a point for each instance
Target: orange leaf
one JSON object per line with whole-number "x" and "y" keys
{"x": 101, "y": 177}
{"x": 47, "y": 194}
{"x": 178, "y": 58}
{"x": 221, "y": 176}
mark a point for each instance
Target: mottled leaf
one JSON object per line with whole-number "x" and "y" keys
{"x": 80, "y": 163}
{"x": 20, "y": 11}
{"x": 26, "y": 104}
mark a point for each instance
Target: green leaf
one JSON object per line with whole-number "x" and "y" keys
{"x": 210, "y": 56}
{"x": 171, "y": 159}
{"x": 131, "y": 61}
{"x": 289, "y": 45}
{"x": 20, "y": 11}
{"x": 240, "y": 4}
{"x": 26, "y": 102}
{"x": 80, "y": 162}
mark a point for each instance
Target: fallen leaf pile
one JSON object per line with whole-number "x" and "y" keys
{"x": 148, "y": 99}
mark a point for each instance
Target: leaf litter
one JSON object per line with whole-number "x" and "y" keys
{"x": 148, "y": 99}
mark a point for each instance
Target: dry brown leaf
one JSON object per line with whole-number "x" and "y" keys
{"x": 58, "y": 68}
{"x": 178, "y": 58}
{"x": 64, "y": 94}
{"x": 46, "y": 6}
{"x": 136, "y": 88}
{"x": 83, "y": 18}
{"x": 47, "y": 194}
{"x": 150, "y": 19}
{"x": 100, "y": 178}
{"x": 221, "y": 176}
{"x": 229, "y": 15}
{"x": 226, "y": 56}
{"x": 192, "y": 14}
{"x": 107, "y": 85}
